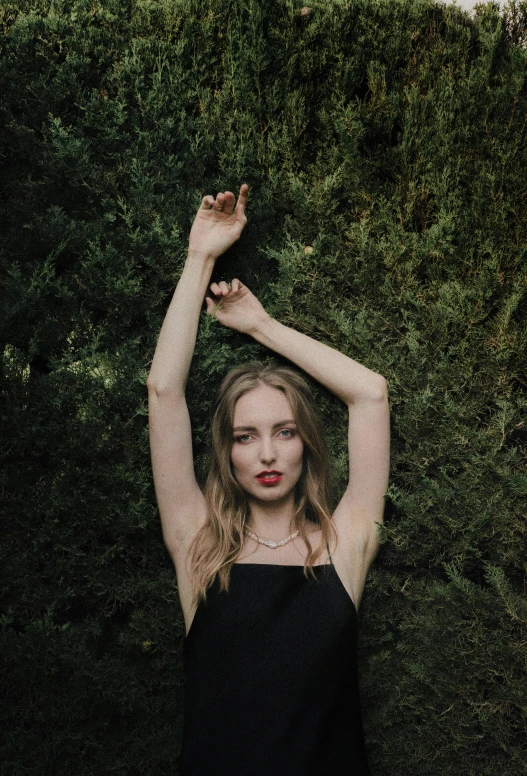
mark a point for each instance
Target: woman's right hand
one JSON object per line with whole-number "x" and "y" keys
{"x": 218, "y": 224}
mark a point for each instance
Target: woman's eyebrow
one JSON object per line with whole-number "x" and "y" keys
{"x": 253, "y": 428}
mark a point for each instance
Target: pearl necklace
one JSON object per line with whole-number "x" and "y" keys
{"x": 269, "y": 542}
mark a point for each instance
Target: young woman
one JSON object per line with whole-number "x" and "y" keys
{"x": 269, "y": 580}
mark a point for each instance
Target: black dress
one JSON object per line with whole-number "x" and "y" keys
{"x": 271, "y": 677}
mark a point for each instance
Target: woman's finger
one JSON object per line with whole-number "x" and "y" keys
{"x": 224, "y": 288}
{"x": 220, "y": 201}
{"x": 212, "y": 306}
{"x": 242, "y": 199}
{"x": 214, "y": 287}
{"x": 228, "y": 203}
{"x": 207, "y": 202}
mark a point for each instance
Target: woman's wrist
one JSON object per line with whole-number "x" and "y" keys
{"x": 197, "y": 256}
{"x": 260, "y": 326}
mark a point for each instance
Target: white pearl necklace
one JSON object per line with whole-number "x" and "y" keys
{"x": 269, "y": 542}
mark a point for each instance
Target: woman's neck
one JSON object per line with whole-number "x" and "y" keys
{"x": 273, "y": 520}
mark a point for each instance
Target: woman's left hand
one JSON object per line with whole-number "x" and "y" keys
{"x": 235, "y": 306}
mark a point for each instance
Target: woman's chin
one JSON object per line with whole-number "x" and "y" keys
{"x": 266, "y": 494}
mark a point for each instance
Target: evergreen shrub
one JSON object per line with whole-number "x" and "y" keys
{"x": 384, "y": 146}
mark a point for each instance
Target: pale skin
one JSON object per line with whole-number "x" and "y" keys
{"x": 274, "y": 441}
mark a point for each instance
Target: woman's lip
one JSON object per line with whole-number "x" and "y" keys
{"x": 270, "y": 480}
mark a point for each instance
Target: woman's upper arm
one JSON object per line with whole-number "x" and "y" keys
{"x": 362, "y": 505}
{"x": 181, "y": 503}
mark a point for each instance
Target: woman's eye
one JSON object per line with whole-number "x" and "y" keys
{"x": 246, "y": 437}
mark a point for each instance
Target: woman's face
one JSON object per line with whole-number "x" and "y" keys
{"x": 266, "y": 439}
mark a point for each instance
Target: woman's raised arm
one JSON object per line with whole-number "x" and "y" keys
{"x": 364, "y": 392}
{"x": 181, "y": 504}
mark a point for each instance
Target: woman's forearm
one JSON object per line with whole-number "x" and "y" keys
{"x": 346, "y": 378}
{"x": 177, "y": 339}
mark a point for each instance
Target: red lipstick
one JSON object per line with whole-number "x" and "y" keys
{"x": 269, "y": 477}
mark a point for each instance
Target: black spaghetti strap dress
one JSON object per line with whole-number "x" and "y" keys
{"x": 271, "y": 677}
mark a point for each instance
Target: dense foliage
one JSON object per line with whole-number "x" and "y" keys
{"x": 384, "y": 147}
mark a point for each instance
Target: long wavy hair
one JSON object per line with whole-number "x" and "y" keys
{"x": 219, "y": 541}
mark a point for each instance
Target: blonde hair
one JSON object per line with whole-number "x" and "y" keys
{"x": 219, "y": 541}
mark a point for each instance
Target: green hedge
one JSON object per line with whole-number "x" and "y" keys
{"x": 384, "y": 144}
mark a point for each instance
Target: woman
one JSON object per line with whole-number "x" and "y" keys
{"x": 269, "y": 581}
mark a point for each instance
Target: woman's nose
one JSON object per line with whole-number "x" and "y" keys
{"x": 267, "y": 451}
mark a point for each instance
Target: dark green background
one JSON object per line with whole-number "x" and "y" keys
{"x": 389, "y": 137}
